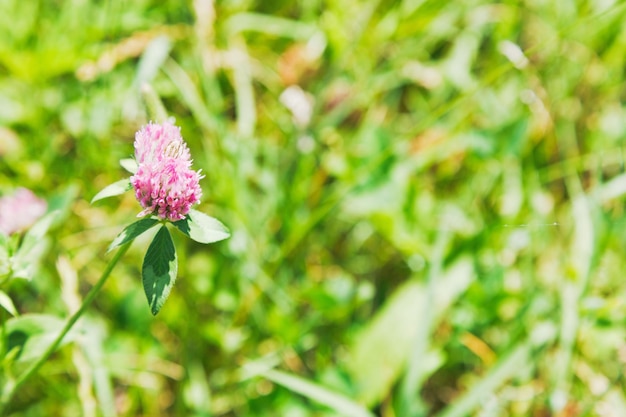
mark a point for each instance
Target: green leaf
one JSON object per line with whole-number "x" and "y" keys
{"x": 129, "y": 164}
{"x": 31, "y": 334}
{"x": 131, "y": 232}
{"x": 343, "y": 405}
{"x": 62, "y": 201}
{"x": 25, "y": 263}
{"x": 36, "y": 233}
{"x": 159, "y": 270}
{"x": 33, "y": 247}
{"x": 117, "y": 188}
{"x": 7, "y": 303}
{"x": 202, "y": 228}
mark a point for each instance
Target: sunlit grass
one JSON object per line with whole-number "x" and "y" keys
{"x": 432, "y": 226}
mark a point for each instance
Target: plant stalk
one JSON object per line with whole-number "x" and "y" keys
{"x": 11, "y": 388}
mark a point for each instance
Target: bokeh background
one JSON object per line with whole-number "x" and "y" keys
{"x": 426, "y": 201}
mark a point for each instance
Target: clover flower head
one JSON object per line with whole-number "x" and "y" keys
{"x": 20, "y": 210}
{"x": 164, "y": 184}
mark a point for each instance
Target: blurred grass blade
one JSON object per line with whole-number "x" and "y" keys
{"x": 583, "y": 244}
{"x": 339, "y": 403}
{"x": 270, "y": 25}
{"x": 35, "y": 234}
{"x": 153, "y": 103}
{"x": 62, "y": 202}
{"x": 408, "y": 7}
{"x": 33, "y": 247}
{"x": 244, "y": 93}
{"x": 117, "y": 188}
{"x": 381, "y": 350}
{"x": 196, "y": 389}
{"x": 504, "y": 370}
{"x": 516, "y": 362}
{"x": 87, "y": 354}
{"x": 258, "y": 367}
{"x": 190, "y": 95}
{"x": 32, "y": 334}
{"x": 573, "y": 288}
{"x": 92, "y": 345}
{"x": 5, "y": 259}
{"x": 152, "y": 59}
{"x": 417, "y": 367}
{"x": 7, "y": 304}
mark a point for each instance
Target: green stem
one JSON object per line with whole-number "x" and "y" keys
{"x": 3, "y": 315}
{"x": 154, "y": 105}
{"x": 10, "y": 389}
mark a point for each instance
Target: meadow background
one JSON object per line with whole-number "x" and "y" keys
{"x": 426, "y": 201}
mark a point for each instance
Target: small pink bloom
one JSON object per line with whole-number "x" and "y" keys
{"x": 20, "y": 210}
{"x": 165, "y": 185}
{"x": 156, "y": 142}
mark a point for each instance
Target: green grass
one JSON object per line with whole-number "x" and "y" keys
{"x": 443, "y": 237}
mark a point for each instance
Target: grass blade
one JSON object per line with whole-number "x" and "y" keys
{"x": 341, "y": 404}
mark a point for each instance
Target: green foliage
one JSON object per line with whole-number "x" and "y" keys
{"x": 159, "y": 269}
{"x": 425, "y": 201}
{"x": 7, "y": 304}
{"x": 117, "y": 188}
{"x": 22, "y": 261}
{"x": 202, "y": 228}
{"x": 131, "y": 231}
{"x": 29, "y": 335}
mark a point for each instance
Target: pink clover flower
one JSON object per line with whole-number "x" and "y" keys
{"x": 164, "y": 184}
